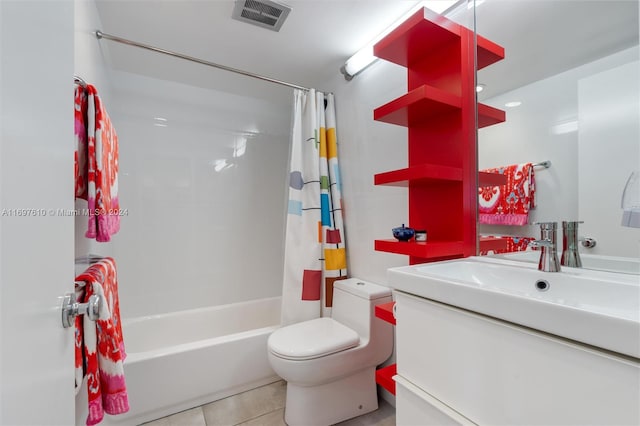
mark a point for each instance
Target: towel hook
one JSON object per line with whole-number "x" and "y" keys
{"x": 71, "y": 308}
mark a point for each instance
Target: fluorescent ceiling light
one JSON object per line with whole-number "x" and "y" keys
{"x": 513, "y": 104}
{"x": 364, "y": 57}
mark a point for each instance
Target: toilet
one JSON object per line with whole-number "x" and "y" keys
{"x": 329, "y": 364}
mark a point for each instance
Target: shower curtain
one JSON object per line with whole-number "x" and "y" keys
{"x": 315, "y": 253}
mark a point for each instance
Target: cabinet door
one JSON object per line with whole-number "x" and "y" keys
{"x": 494, "y": 372}
{"x": 416, "y": 407}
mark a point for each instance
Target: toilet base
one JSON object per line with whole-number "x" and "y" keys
{"x": 332, "y": 402}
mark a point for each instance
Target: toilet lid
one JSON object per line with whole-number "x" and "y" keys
{"x": 312, "y": 339}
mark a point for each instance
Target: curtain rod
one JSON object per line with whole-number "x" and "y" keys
{"x": 100, "y": 35}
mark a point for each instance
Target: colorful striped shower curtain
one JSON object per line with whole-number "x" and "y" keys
{"x": 315, "y": 253}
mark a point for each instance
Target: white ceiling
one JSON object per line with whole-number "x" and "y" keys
{"x": 541, "y": 38}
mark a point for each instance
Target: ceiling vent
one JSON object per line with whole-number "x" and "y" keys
{"x": 264, "y": 13}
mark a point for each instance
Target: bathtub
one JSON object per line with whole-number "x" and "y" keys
{"x": 184, "y": 359}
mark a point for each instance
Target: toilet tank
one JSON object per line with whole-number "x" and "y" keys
{"x": 354, "y": 303}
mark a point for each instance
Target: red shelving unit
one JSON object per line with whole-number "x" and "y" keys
{"x": 385, "y": 312}
{"x": 439, "y": 111}
{"x": 491, "y": 179}
{"x": 384, "y": 376}
{"x": 492, "y": 243}
{"x": 423, "y": 173}
{"x": 424, "y": 250}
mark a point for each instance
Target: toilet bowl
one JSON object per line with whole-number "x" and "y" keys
{"x": 329, "y": 363}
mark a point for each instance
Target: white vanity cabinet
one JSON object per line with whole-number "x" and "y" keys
{"x": 459, "y": 367}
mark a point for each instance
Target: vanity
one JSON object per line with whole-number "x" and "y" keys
{"x": 494, "y": 341}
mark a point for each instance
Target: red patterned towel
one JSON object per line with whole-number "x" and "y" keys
{"x": 96, "y": 164}
{"x": 99, "y": 344}
{"x": 508, "y": 204}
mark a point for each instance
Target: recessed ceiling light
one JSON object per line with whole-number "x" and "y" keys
{"x": 513, "y": 104}
{"x": 480, "y": 87}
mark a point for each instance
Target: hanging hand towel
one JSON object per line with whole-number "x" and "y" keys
{"x": 103, "y": 350}
{"x": 96, "y": 164}
{"x": 508, "y": 204}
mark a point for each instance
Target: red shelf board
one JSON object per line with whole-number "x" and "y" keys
{"x": 420, "y": 174}
{"x": 417, "y": 105}
{"x": 493, "y": 243}
{"x": 488, "y": 116}
{"x": 491, "y": 179}
{"x": 384, "y": 377}
{"x": 385, "y": 312}
{"x": 488, "y": 52}
{"x": 426, "y": 32}
{"x": 421, "y": 34}
{"x": 424, "y": 250}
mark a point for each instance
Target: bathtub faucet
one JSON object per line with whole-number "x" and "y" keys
{"x": 547, "y": 244}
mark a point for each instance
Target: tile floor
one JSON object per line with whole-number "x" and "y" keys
{"x": 263, "y": 406}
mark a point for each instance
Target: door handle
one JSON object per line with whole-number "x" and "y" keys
{"x": 71, "y": 308}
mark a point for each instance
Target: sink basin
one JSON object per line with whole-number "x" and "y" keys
{"x": 594, "y": 307}
{"x": 624, "y": 265}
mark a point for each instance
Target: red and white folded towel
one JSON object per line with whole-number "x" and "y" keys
{"x": 99, "y": 346}
{"x": 508, "y": 204}
{"x": 96, "y": 163}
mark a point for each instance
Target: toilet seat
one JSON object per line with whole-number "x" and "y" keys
{"x": 312, "y": 339}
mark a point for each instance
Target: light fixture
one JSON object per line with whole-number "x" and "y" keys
{"x": 364, "y": 57}
{"x": 480, "y": 87}
{"x": 513, "y": 104}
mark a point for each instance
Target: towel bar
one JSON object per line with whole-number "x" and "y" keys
{"x": 71, "y": 308}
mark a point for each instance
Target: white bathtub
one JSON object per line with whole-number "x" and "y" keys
{"x": 184, "y": 359}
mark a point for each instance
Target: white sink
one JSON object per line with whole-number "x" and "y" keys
{"x": 594, "y": 307}
{"x": 624, "y": 265}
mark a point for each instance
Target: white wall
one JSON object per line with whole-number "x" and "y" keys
{"x": 192, "y": 236}
{"x": 609, "y": 135}
{"x": 367, "y": 147}
{"x": 545, "y": 127}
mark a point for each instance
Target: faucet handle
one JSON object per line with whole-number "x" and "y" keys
{"x": 571, "y": 224}
{"x": 547, "y": 226}
{"x": 538, "y": 244}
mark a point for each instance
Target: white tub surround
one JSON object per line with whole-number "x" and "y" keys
{"x": 185, "y": 359}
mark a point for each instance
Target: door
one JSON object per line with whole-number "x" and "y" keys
{"x": 36, "y": 199}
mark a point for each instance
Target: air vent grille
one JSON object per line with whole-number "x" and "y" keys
{"x": 264, "y": 13}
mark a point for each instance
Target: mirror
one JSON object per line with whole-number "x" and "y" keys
{"x": 569, "y": 84}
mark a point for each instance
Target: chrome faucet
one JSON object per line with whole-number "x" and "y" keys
{"x": 547, "y": 244}
{"x": 570, "y": 253}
